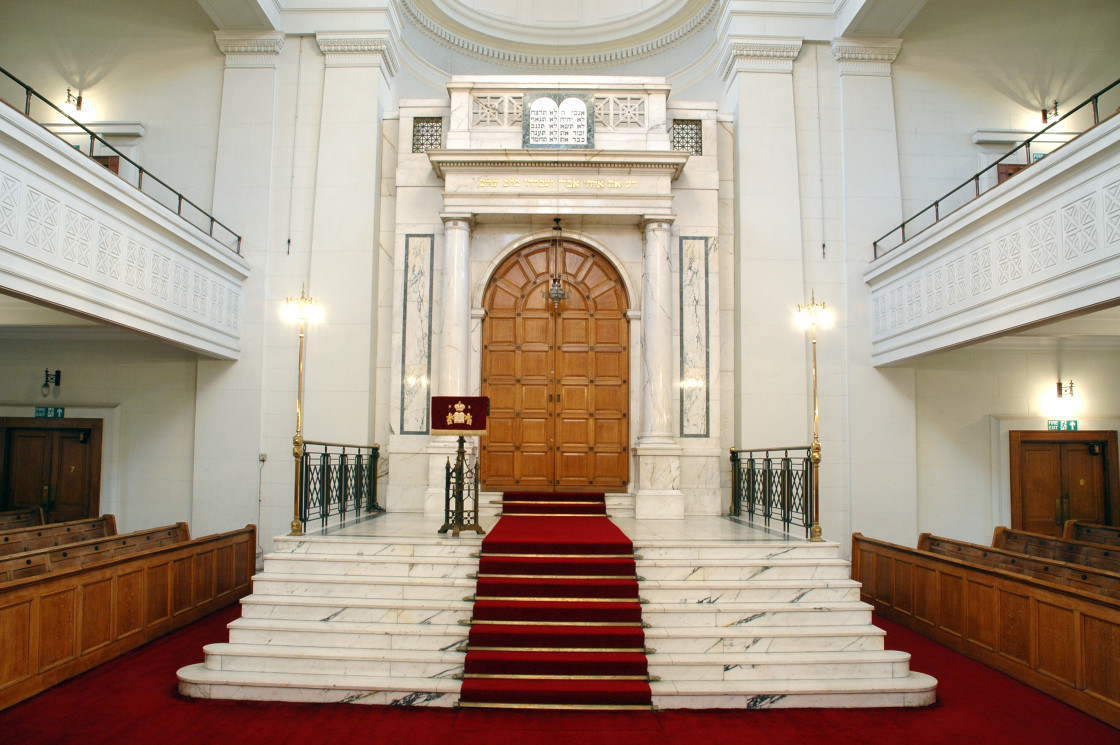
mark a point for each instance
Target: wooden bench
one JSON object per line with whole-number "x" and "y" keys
{"x": 21, "y": 518}
{"x": 56, "y": 534}
{"x": 1070, "y": 551}
{"x": 1108, "y": 535}
{"x": 1059, "y": 639}
{"x": 44, "y": 560}
{"x": 1083, "y": 578}
{"x": 57, "y": 625}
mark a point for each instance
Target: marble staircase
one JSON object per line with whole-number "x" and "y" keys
{"x": 730, "y": 622}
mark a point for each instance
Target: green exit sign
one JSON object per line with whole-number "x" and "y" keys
{"x": 1062, "y": 425}
{"x": 49, "y": 412}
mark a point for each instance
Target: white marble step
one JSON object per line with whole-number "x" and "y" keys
{"x": 915, "y": 689}
{"x": 743, "y": 569}
{"x": 199, "y": 682}
{"x": 848, "y": 665}
{"x": 356, "y": 610}
{"x": 337, "y": 586}
{"x": 713, "y": 592}
{"x": 703, "y": 552}
{"x": 336, "y": 661}
{"x": 463, "y": 546}
{"x": 335, "y": 633}
{"x": 376, "y": 566}
{"x": 765, "y": 639}
{"x": 727, "y": 614}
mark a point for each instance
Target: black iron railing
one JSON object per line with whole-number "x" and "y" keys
{"x": 460, "y": 496}
{"x": 144, "y": 179}
{"x": 337, "y": 479}
{"x": 773, "y": 485}
{"x": 1081, "y": 118}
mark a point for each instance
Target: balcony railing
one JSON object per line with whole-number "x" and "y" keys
{"x": 773, "y": 485}
{"x": 337, "y": 480}
{"x": 156, "y": 188}
{"x": 1076, "y": 121}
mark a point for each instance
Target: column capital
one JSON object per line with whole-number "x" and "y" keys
{"x": 451, "y": 218}
{"x": 359, "y": 49}
{"x": 248, "y": 49}
{"x": 647, "y": 221}
{"x": 872, "y": 57}
{"x": 758, "y": 54}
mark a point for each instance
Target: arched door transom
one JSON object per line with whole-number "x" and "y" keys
{"x": 557, "y": 378}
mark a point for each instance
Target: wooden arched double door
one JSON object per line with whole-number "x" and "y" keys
{"x": 557, "y": 378}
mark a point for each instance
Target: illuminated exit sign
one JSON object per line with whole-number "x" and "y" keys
{"x": 1062, "y": 425}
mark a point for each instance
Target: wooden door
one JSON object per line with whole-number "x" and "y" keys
{"x": 557, "y": 378}
{"x": 55, "y": 464}
{"x": 1059, "y": 476}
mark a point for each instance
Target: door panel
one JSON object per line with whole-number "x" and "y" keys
{"x": 1042, "y": 484}
{"x": 552, "y": 376}
{"x": 55, "y": 464}
{"x": 28, "y": 467}
{"x": 1083, "y": 469}
{"x": 1059, "y": 476}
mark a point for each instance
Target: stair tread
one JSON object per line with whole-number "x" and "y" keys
{"x": 350, "y": 602}
{"x": 831, "y": 657}
{"x": 450, "y": 655}
{"x": 913, "y": 682}
{"x": 198, "y": 673}
{"x": 348, "y": 627}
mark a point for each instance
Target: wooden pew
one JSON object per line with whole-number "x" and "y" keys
{"x": 1070, "y": 551}
{"x": 45, "y": 560}
{"x": 57, "y": 625}
{"x": 21, "y": 518}
{"x": 56, "y": 534}
{"x": 1090, "y": 580}
{"x": 1059, "y": 639}
{"x": 1108, "y": 535}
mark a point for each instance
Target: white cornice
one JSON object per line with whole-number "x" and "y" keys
{"x": 866, "y": 56}
{"x": 758, "y": 54}
{"x": 444, "y": 161}
{"x": 350, "y": 49}
{"x": 250, "y": 49}
{"x": 541, "y": 57}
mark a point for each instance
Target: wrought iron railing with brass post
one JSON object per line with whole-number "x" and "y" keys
{"x": 302, "y": 309}
{"x": 775, "y": 485}
{"x": 336, "y": 480}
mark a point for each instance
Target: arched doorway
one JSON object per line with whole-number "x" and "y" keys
{"x": 557, "y": 378}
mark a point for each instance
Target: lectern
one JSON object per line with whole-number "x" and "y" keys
{"x": 461, "y": 416}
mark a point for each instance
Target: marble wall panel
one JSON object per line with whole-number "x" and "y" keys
{"x": 416, "y": 334}
{"x": 695, "y": 380}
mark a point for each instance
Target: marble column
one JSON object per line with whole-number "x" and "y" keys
{"x": 658, "y": 451}
{"x": 358, "y": 68}
{"x": 228, "y": 413}
{"x": 882, "y": 481}
{"x": 455, "y": 307}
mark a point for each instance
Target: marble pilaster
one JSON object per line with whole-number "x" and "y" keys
{"x": 455, "y": 307}
{"x": 228, "y": 430}
{"x": 879, "y": 400}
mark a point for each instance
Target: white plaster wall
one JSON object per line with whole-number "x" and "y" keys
{"x": 145, "y": 392}
{"x": 154, "y": 62}
{"x": 968, "y": 399}
{"x": 966, "y": 66}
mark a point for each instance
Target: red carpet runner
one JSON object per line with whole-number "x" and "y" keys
{"x": 556, "y": 620}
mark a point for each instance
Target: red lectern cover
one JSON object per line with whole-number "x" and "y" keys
{"x": 459, "y": 415}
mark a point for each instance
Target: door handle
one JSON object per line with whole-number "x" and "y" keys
{"x": 1058, "y": 511}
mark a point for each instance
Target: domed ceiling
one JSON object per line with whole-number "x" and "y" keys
{"x": 546, "y": 33}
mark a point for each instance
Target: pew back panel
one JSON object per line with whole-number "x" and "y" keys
{"x": 1108, "y": 535}
{"x": 56, "y": 625}
{"x": 1061, "y": 640}
{"x": 44, "y": 560}
{"x": 1092, "y": 555}
{"x": 1085, "y": 578}
{"x": 21, "y": 518}
{"x": 56, "y": 534}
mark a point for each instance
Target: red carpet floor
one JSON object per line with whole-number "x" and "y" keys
{"x": 556, "y": 620}
{"x": 134, "y": 699}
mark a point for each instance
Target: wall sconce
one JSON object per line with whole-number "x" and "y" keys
{"x": 51, "y": 381}
{"x": 75, "y": 102}
{"x": 1050, "y": 113}
{"x": 1066, "y": 390}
